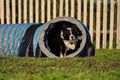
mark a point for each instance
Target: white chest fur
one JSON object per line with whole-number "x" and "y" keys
{"x": 69, "y": 45}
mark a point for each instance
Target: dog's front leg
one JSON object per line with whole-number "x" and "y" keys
{"x": 61, "y": 54}
{"x": 65, "y": 53}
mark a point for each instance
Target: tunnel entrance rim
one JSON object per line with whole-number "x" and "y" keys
{"x": 80, "y": 26}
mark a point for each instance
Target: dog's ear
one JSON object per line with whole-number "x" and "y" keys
{"x": 74, "y": 25}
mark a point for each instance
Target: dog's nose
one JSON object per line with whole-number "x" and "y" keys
{"x": 72, "y": 37}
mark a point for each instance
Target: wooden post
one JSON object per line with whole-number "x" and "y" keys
{"x": 118, "y": 24}
{"x": 25, "y": 11}
{"x": 61, "y": 8}
{"x": 111, "y": 23}
{"x": 8, "y": 11}
{"x": 91, "y": 18}
{"x": 42, "y": 11}
{"x": 48, "y": 10}
{"x": 72, "y": 8}
{"x": 104, "y": 24}
{"x": 13, "y": 11}
{"x": 19, "y": 12}
{"x": 36, "y": 10}
{"x": 2, "y": 12}
{"x": 98, "y": 25}
{"x": 66, "y": 7}
{"x": 79, "y": 9}
{"x": 85, "y": 12}
{"x": 54, "y": 8}
{"x": 31, "y": 10}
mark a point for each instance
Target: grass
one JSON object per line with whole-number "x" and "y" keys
{"x": 104, "y": 66}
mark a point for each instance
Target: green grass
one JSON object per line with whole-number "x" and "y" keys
{"x": 104, "y": 66}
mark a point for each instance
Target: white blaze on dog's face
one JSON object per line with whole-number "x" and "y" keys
{"x": 70, "y": 37}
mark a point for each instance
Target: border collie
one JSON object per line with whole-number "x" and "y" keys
{"x": 64, "y": 39}
{"x": 70, "y": 36}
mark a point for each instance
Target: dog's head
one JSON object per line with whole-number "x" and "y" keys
{"x": 70, "y": 36}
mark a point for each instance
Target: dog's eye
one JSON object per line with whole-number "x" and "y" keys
{"x": 66, "y": 35}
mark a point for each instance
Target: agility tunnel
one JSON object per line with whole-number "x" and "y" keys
{"x": 39, "y": 40}
{"x": 11, "y": 36}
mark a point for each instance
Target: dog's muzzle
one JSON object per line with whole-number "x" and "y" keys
{"x": 70, "y": 44}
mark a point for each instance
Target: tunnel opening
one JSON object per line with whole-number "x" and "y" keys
{"x": 63, "y": 38}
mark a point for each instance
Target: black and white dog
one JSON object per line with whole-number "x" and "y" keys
{"x": 66, "y": 39}
{"x": 70, "y": 36}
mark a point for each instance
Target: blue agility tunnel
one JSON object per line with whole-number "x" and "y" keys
{"x": 11, "y": 36}
{"x": 48, "y": 39}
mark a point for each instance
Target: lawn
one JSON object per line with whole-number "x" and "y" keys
{"x": 104, "y": 66}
